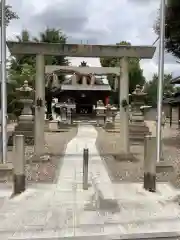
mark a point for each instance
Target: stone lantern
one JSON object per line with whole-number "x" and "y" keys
{"x": 64, "y": 112}
{"x": 26, "y": 119}
{"x": 100, "y": 113}
{"x": 138, "y": 129}
{"x": 138, "y": 100}
{"x": 111, "y": 112}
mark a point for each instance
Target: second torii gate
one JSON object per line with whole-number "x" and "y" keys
{"x": 98, "y": 71}
{"x": 76, "y": 50}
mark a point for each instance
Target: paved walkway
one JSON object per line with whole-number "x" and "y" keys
{"x": 65, "y": 210}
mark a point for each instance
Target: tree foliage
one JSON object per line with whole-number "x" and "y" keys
{"x": 135, "y": 72}
{"x": 22, "y": 67}
{"x": 9, "y": 14}
{"x": 172, "y": 27}
{"x": 152, "y": 86}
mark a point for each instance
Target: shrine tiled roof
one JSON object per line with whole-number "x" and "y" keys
{"x": 175, "y": 80}
{"x": 173, "y": 99}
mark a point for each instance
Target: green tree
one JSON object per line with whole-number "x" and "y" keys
{"x": 177, "y": 89}
{"x": 152, "y": 86}
{"x": 135, "y": 72}
{"x": 52, "y": 35}
{"x": 172, "y": 27}
{"x": 23, "y": 66}
{"x": 9, "y": 14}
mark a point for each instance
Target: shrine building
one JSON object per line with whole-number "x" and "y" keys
{"x": 83, "y": 86}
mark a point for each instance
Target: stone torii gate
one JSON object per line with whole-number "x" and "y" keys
{"x": 83, "y": 70}
{"x": 98, "y": 71}
{"x": 75, "y": 50}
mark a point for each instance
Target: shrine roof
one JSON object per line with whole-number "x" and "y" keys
{"x": 175, "y": 80}
{"x": 173, "y": 100}
{"x": 80, "y": 50}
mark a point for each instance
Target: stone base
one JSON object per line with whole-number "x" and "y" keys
{"x": 138, "y": 132}
{"x": 108, "y": 204}
{"x": 74, "y": 124}
{"x": 109, "y": 125}
{"x": 6, "y": 172}
{"x": 63, "y": 125}
{"x": 125, "y": 157}
{"x": 25, "y": 126}
{"x": 46, "y": 126}
{"x": 138, "y": 127}
{"x": 42, "y": 158}
{"x": 19, "y": 184}
{"x": 150, "y": 182}
{"x": 164, "y": 167}
{"x": 29, "y": 138}
{"x": 100, "y": 121}
{"x": 10, "y": 141}
{"x": 137, "y": 137}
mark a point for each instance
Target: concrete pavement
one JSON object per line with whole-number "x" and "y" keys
{"x": 66, "y": 210}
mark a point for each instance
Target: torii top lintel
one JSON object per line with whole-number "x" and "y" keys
{"x": 80, "y": 50}
{"x": 82, "y": 70}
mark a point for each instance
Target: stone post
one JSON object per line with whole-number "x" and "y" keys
{"x": 124, "y": 112}
{"x": 100, "y": 113}
{"x": 19, "y": 164}
{"x": 85, "y": 168}
{"x": 109, "y": 115}
{"x": 39, "y": 105}
{"x": 64, "y": 113}
{"x": 93, "y": 79}
{"x": 150, "y": 163}
{"x": 116, "y": 83}
{"x": 74, "y": 79}
{"x": 84, "y": 81}
{"x": 170, "y": 119}
{"x": 69, "y": 117}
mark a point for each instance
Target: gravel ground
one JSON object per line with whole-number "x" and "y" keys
{"x": 108, "y": 145}
{"x": 46, "y": 171}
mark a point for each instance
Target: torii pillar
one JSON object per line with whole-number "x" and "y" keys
{"x": 39, "y": 108}
{"x": 124, "y": 111}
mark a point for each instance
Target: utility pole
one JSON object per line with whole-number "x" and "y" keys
{"x": 161, "y": 78}
{"x": 3, "y": 84}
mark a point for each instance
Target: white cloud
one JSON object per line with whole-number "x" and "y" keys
{"x": 96, "y": 21}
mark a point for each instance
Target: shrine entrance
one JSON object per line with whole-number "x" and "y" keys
{"x": 84, "y": 109}
{"x": 84, "y": 104}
